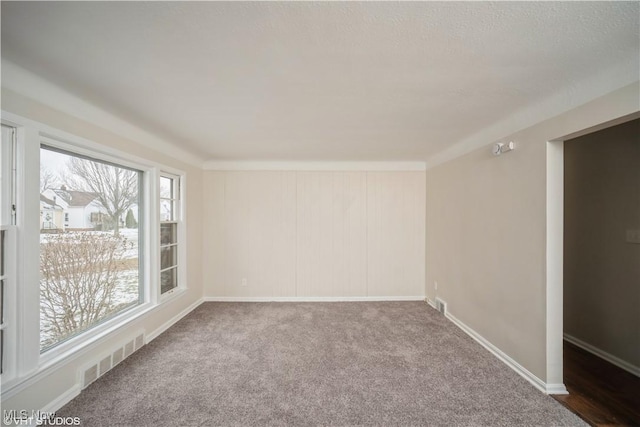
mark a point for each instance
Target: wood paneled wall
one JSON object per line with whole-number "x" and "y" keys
{"x": 314, "y": 234}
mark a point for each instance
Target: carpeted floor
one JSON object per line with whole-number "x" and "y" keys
{"x": 302, "y": 364}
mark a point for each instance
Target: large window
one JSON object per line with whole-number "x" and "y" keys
{"x": 90, "y": 243}
{"x": 169, "y": 219}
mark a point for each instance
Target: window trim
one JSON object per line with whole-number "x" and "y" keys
{"x": 30, "y": 363}
{"x": 178, "y": 219}
{"x": 8, "y": 277}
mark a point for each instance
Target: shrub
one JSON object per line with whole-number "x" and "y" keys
{"x": 78, "y": 276}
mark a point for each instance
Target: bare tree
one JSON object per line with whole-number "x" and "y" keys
{"x": 116, "y": 188}
{"x": 79, "y": 274}
{"x": 48, "y": 179}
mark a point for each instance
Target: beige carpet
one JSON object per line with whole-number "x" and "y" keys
{"x": 307, "y": 364}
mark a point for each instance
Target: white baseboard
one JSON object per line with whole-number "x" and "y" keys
{"x": 169, "y": 323}
{"x": 518, "y": 368}
{"x": 622, "y": 364}
{"x": 63, "y": 399}
{"x": 310, "y": 299}
{"x": 430, "y": 302}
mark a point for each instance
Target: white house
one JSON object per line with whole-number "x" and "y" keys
{"x": 53, "y": 213}
{"x": 81, "y": 209}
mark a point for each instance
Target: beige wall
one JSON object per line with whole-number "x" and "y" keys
{"x": 314, "y": 234}
{"x": 50, "y": 387}
{"x": 486, "y": 232}
{"x": 601, "y": 268}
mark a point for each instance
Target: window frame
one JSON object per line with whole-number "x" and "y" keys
{"x": 28, "y": 364}
{"x": 8, "y": 273}
{"x": 51, "y": 144}
{"x": 177, "y": 209}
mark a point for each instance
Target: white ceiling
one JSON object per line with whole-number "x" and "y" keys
{"x": 320, "y": 81}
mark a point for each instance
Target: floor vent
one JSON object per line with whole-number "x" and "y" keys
{"x": 441, "y": 306}
{"x": 104, "y": 364}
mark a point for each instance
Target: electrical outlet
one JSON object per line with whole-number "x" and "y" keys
{"x": 243, "y": 282}
{"x": 435, "y": 285}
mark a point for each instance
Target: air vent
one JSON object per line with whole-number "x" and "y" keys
{"x": 106, "y": 363}
{"x": 128, "y": 349}
{"x": 441, "y": 306}
{"x": 139, "y": 342}
{"x": 90, "y": 375}
{"x": 117, "y": 356}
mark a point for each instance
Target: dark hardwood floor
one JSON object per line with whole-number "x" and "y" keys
{"x": 601, "y": 393}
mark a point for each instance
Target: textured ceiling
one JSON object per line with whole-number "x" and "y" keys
{"x": 318, "y": 81}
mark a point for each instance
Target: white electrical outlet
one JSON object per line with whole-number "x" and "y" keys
{"x": 435, "y": 285}
{"x": 243, "y": 282}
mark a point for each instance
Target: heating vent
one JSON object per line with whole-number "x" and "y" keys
{"x": 90, "y": 375}
{"x": 104, "y": 364}
{"x": 441, "y": 306}
{"x": 117, "y": 356}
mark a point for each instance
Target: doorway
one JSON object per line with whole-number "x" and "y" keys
{"x": 601, "y": 274}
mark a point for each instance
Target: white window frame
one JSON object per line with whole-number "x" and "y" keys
{"x": 28, "y": 364}
{"x": 178, "y": 210}
{"x": 8, "y": 276}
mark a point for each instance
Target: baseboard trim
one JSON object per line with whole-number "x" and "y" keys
{"x": 622, "y": 364}
{"x": 518, "y": 368}
{"x": 63, "y": 399}
{"x": 431, "y": 303}
{"x": 309, "y": 299}
{"x": 169, "y": 323}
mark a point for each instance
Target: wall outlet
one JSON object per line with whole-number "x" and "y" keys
{"x": 243, "y": 282}
{"x": 435, "y": 285}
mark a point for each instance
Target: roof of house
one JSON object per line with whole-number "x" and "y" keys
{"x": 76, "y": 198}
{"x": 49, "y": 202}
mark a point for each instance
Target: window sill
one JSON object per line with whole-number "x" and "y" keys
{"x": 172, "y": 294}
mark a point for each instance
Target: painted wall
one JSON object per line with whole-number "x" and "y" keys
{"x": 54, "y": 384}
{"x": 486, "y": 233}
{"x": 601, "y": 267}
{"x": 314, "y": 234}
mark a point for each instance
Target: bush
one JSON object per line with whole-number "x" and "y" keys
{"x": 78, "y": 276}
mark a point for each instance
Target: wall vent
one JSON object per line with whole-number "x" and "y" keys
{"x": 90, "y": 375}
{"x": 104, "y": 364}
{"x": 117, "y": 356}
{"x": 441, "y": 306}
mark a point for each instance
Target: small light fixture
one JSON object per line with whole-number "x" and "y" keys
{"x": 499, "y": 148}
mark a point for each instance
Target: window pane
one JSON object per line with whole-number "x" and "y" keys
{"x": 168, "y": 234}
{"x": 166, "y": 188}
{"x": 166, "y": 210}
{"x": 89, "y": 251}
{"x": 168, "y": 257}
{"x": 168, "y": 280}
